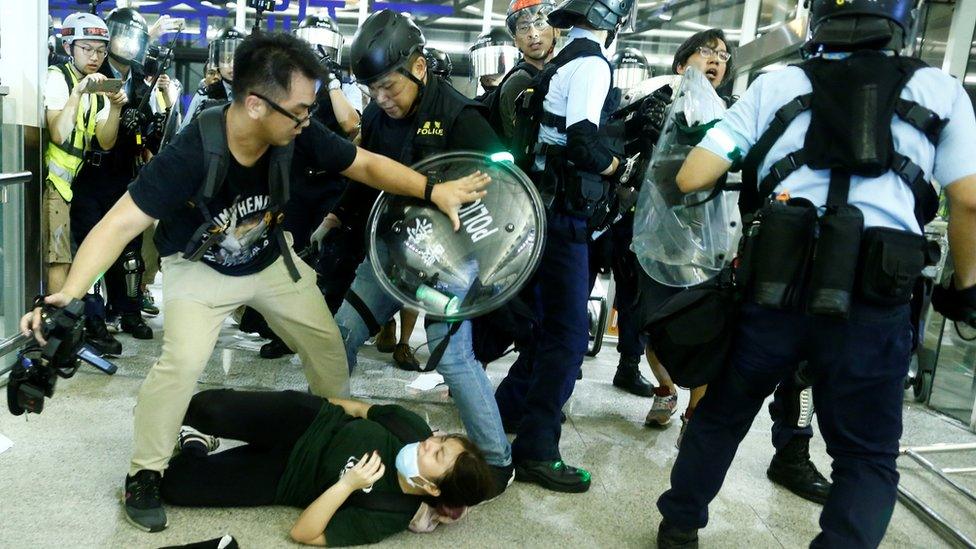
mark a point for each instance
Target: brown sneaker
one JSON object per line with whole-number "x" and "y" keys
{"x": 386, "y": 340}
{"x": 404, "y": 359}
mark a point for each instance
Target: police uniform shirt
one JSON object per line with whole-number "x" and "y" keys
{"x": 885, "y": 201}
{"x": 577, "y": 91}
{"x": 126, "y": 82}
{"x": 56, "y": 95}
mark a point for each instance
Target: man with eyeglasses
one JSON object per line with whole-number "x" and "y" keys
{"x": 411, "y": 117}
{"x": 222, "y": 244}
{"x": 536, "y": 39}
{"x": 103, "y": 179}
{"x": 75, "y": 117}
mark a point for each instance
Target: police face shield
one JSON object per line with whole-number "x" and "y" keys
{"x": 488, "y": 59}
{"x": 222, "y": 54}
{"x": 679, "y": 241}
{"x": 128, "y": 43}
{"x": 326, "y": 42}
{"x": 422, "y": 262}
{"x": 629, "y": 75}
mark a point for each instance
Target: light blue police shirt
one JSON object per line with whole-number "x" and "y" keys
{"x": 886, "y": 201}
{"x": 577, "y": 91}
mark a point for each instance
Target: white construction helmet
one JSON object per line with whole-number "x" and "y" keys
{"x": 83, "y": 26}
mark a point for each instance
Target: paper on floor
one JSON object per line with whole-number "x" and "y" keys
{"x": 426, "y": 381}
{"x": 5, "y": 444}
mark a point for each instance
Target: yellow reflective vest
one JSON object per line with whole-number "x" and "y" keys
{"x": 64, "y": 159}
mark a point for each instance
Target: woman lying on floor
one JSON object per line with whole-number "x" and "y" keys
{"x": 328, "y": 457}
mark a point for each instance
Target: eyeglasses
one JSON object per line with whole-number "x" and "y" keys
{"x": 708, "y": 53}
{"x": 284, "y": 112}
{"x": 539, "y": 24}
{"x": 90, "y": 52}
{"x": 390, "y": 87}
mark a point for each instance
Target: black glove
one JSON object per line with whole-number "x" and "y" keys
{"x": 957, "y": 305}
{"x": 653, "y": 110}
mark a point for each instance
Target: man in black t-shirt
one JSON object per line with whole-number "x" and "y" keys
{"x": 274, "y": 92}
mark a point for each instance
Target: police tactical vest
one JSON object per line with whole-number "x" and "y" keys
{"x": 440, "y": 105}
{"x": 863, "y": 91}
{"x": 63, "y": 160}
{"x": 579, "y": 193}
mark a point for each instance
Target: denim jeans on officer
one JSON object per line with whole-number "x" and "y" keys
{"x": 859, "y": 366}
{"x": 542, "y": 379}
{"x": 470, "y": 387}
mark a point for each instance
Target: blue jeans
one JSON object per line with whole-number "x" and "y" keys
{"x": 542, "y": 379}
{"x": 859, "y": 367}
{"x": 470, "y": 387}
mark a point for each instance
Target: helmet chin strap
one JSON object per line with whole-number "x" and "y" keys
{"x": 420, "y": 88}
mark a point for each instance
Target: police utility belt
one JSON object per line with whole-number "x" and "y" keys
{"x": 791, "y": 258}
{"x": 209, "y": 234}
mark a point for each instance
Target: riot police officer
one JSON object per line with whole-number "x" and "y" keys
{"x": 836, "y": 153}
{"x": 412, "y": 115}
{"x": 493, "y": 54}
{"x": 630, "y": 68}
{"x": 105, "y": 176}
{"x": 573, "y": 167}
{"x": 220, "y": 55}
{"x": 439, "y": 62}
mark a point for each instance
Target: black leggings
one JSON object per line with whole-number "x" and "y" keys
{"x": 270, "y": 422}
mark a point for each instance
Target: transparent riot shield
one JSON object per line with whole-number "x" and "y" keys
{"x": 679, "y": 242}
{"x": 422, "y": 262}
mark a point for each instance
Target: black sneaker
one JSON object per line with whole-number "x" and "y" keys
{"x": 143, "y": 505}
{"x": 133, "y": 323}
{"x": 792, "y": 469}
{"x": 670, "y": 537}
{"x": 553, "y": 475}
{"x": 98, "y": 338}
{"x": 196, "y": 443}
{"x": 275, "y": 348}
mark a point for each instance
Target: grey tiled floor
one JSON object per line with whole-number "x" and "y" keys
{"x": 60, "y": 483}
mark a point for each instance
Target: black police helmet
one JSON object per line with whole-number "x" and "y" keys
{"x": 385, "y": 41}
{"x": 857, "y": 23}
{"x": 128, "y": 36}
{"x": 229, "y": 33}
{"x": 439, "y": 62}
{"x": 608, "y": 15}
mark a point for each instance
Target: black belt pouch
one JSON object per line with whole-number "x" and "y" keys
{"x": 835, "y": 262}
{"x": 891, "y": 262}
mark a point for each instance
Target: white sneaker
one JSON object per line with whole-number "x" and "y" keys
{"x": 661, "y": 410}
{"x": 193, "y": 440}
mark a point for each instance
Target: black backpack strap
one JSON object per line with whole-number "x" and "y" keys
{"x": 437, "y": 353}
{"x": 279, "y": 173}
{"x": 752, "y": 196}
{"x": 215, "y": 157}
{"x": 921, "y": 118}
{"x": 926, "y": 198}
{"x": 780, "y": 171}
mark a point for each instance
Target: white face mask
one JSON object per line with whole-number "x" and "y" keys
{"x": 408, "y": 464}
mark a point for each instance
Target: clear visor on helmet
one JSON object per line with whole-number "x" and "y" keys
{"x": 222, "y": 52}
{"x": 128, "y": 43}
{"x": 322, "y": 40}
{"x": 628, "y": 76}
{"x": 490, "y": 60}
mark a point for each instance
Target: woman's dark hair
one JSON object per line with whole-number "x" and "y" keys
{"x": 470, "y": 481}
{"x": 265, "y": 61}
{"x": 708, "y": 38}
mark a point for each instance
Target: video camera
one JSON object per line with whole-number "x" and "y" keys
{"x": 38, "y": 367}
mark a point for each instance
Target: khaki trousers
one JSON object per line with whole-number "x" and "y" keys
{"x": 196, "y": 301}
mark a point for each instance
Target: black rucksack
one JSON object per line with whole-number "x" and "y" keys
{"x": 493, "y": 99}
